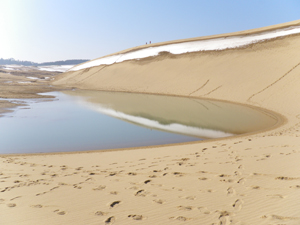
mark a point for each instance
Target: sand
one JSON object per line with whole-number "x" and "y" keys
{"x": 247, "y": 179}
{"x": 23, "y": 83}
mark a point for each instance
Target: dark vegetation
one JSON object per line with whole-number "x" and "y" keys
{"x": 12, "y": 61}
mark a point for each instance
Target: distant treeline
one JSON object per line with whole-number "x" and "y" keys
{"x": 12, "y": 61}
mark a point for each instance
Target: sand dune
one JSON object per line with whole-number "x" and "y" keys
{"x": 247, "y": 179}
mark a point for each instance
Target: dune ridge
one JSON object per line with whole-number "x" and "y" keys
{"x": 248, "y": 179}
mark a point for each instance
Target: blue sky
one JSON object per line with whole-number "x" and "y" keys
{"x": 51, "y": 30}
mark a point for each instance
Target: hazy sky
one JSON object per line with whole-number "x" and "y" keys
{"x": 51, "y": 30}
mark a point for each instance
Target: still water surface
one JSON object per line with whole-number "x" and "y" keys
{"x": 94, "y": 120}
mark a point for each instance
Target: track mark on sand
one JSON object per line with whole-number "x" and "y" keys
{"x": 199, "y": 87}
{"x": 276, "y": 196}
{"x": 11, "y": 205}
{"x": 147, "y": 181}
{"x": 110, "y": 220}
{"x": 179, "y": 218}
{"x": 186, "y": 208}
{"x": 159, "y": 201}
{"x": 230, "y": 191}
{"x": 241, "y": 181}
{"x": 287, "y": 178}
{"x": 100, "y": 213}
{"x": 15, "y": 198}
{"x": 282, "y": 218}
{"x": 270, "y": 85}
{"x": 114, "y": 204}
{"x": 36, "y": 206}
{"x": 141, "y": 193}
{"x": 237, "y": 204}
{"x": 61, "y": 213}
{"x": 100, "y": 188}
{"x": 224, "y": 218}
{"x": 212, "y": 90}
{"x": 136, "y": 217}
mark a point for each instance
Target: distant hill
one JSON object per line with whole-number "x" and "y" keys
{"x": 64, "y": 62}
{"x": 12, "y": 61}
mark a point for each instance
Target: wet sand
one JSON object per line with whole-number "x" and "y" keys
{"x": 24, "y": 83}
{"x": 248, "y": 179}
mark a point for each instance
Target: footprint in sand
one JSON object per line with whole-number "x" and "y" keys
{"x": 241, "y": 167}
{"x": 159, "y": 201}
{"x": 141, "y": 193}
{"x": 147, "y": 181}
{"x": 204, "y": 210}
{"x": 190, "y": 197}
{"x": 11, "y": 205}
{"x": 132, "y": 174}
{"x": 207, "y": 191}
{"x": 76, "y": 186}
{"x": 59, "y": 212}
{"x": 36, "y": 206}
{"x": 178, "y": 174}
{"x": 179, "y": 218}
{"x": 114, "y": 204}
{"x": 186, "y": 208}
{"x": 230, "y": 191}
{"x": 237, "y": 173}
{"x": 224, "y": 218}
{"x": 100, "y": 188}
{"x": 281, "y": 218}
{"x": 237, "y": 205}
{"x": 287, "y": 178}
{"x": 227, "y": 180}
{"x": 136, "y": 217}
{"x": 100, "y": 213}
{"x": 110, "y": 220}
{"x": 276, "y": 196}
{"x": 134, "y": 188}
{"x": 241, "y": 181}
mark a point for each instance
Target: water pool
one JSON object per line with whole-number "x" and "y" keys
{"x": 94, "y": 120}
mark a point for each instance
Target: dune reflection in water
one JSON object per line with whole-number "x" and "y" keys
{"x": 189, "y": 116}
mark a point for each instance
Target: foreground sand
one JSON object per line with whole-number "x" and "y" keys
{"x": 249, "y": 179}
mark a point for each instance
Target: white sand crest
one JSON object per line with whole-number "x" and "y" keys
{"x": 55, "y": 68}
{"x": 192, "y": 46}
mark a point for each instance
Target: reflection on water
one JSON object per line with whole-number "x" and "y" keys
{"x": 190, "y": 116}
{"x": 73, "y": 123}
